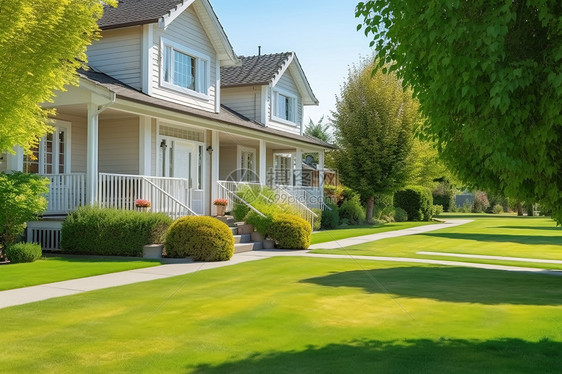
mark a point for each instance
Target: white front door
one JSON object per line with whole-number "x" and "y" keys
{"x": 186, "y": 163}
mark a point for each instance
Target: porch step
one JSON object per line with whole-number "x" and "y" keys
{"x": 229, "y": 220}
{"x": 234, "y": 230}
{"x": 244, "y": 238}
{"x": 247, "y": 247}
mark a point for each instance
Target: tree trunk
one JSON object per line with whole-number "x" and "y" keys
{"x": 370, "y": 207}
{"x": 519, "y": 208}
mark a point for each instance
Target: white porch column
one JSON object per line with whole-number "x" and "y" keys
{"x": 92, "y": 157}
{"x": 298, "y": 168}
{"x": 15, "y": 162}
{"x": 321, "y": 173}
{"x": 215, "y": 164}
{"x": 145, "y": 145}
{"x": 263, "y": 162}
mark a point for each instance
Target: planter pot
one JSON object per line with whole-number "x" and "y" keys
{"x": 221, "y": 209}
{"x": 152, "y": 251}
{"x": 268, "y": 244}
{"x": 143, "y": 209}
{"x": 257, "y": 237}
{"x": 245, "y": 229}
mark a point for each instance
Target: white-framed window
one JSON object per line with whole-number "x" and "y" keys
{"x": 283, "y": 169}
{"x": 284, "y": 107}
{"x": 246, "y": 164}
{"x": 184, "y": 70}
{"x": 52, "y": 154}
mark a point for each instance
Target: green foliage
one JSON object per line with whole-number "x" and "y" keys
{"x": 374, "y": 123}
{"x": 201, "y": 238}
{"x": 262, "y": 224}
{"x": 416, "y": 201}
{"x": 112, "y": 232}
{"x": 253, "y": 195}
{"x": 437, "y": 209}
{"x": 351, "y": 211}
{"x": 488, "y": 78}
{"x": 400, "y": 215}
{"x": 497, "y": 209}
{"x": 444, "y": 195}
{"x": 318, "y": 130}
{"x": 42, "y": 42}
{"x": 290, "y": 232}
{"x": 23, "y": 252}
{"x": 481, "y": 202}
{"x": 387, "y": 214}
{"x": 318, "y": 220}
{"x": 330, "y": 218}
{"x": 21, "y": 200}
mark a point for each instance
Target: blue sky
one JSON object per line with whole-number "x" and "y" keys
{"x": 321, "y": 32}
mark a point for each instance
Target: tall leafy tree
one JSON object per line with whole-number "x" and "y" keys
{"x": 488, "y": 76}
{"x": 42, "y": 43}
{"x": 319, "y": 130}
{"x": 374, "y": 121}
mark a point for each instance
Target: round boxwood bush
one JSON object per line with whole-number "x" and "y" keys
{"x": 201, "y": 238}
{"x": 290, "y": 232}
{"x": 23, "y": 252}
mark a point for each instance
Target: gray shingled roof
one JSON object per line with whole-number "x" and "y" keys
{"x": 254, "y": 70}
{"x": 226, "y": 115}
{"x": 135, "y": 12}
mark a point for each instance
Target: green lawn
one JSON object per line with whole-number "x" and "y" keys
{"x": 352, "y": 231}
{"x": 297, "y": 315}
{"x": 492, "y": 235}
{"x": 56, "y": 269}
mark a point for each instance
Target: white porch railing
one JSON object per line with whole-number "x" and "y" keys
{"x": 312, "y": 197}
{"x": 282, "y": 196}
{"x": 228, "y": 190}
{"x": 166, "y": 195}
{"x": 66, "y": 192}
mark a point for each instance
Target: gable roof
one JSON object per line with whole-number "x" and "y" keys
{"x": 226, "y": 115}
{"x": 268, "y": 69}
{"x": 163, "y": 12}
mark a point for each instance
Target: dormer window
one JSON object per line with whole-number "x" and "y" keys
{"x": 284, "y": 107}
{"x": 184, "y": 70}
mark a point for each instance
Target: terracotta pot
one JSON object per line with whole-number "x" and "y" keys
{"x": 221, "y": 209}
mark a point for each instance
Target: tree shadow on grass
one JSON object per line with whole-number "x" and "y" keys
{"x": 521, "y": 239}
{"x": 410, "y": 356}
{"x": 453, "y": 284}
{"x": 548, "y": 228}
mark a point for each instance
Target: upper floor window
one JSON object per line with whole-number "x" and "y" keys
{"x": 284, "y": 107}
{"x": 183, "y": 69}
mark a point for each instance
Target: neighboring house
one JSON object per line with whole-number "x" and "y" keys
{"x": 168, "y": 112}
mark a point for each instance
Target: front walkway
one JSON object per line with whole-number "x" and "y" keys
{"x": 71, "y": 287}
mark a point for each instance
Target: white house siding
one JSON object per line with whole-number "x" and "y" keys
{"x": 187, "y": 31}
{"x": 287, "y": 83}
{"x": 79, "y": 154}
{"x": 119, "y": 54}
{"x": 154, "y": 146}
{"x": 244, "y": 100}
{"x": 119, "y": 146}
{"x": 228, "y": 157}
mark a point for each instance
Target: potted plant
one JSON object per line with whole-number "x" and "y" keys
{"x": 142, "y": 205}
{"x": 221, "y": 206}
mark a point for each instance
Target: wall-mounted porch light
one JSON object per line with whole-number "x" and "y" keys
{"x": 210, "y": 149}
{"x": 163, "y": 144}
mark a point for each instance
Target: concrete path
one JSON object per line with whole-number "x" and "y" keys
{"x": 390, "y": 234}
{"x": 71, "y": 287}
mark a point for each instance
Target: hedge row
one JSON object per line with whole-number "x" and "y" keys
{"x": 111, "y": 232}
{"x": 417, "y": 201}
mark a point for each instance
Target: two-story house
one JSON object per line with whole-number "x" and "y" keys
{"x": 169, "y": 113}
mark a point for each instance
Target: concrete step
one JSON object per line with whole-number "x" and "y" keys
{"x": 247, "y": 247}
{"x": 229, "y": 220}
{"x": 234, "y": 230}
{"x": 244, "y": 238}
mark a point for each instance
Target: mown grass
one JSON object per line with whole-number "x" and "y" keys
{"x": 360, "y": 230}
{"x": 492, "y": 235}
{"x": 297, "y": 315}
{"x": 56, "y": 269}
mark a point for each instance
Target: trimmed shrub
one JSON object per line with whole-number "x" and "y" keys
{"x": 417, "y": 201}
{"x": 352, "y": 211}
{"x": 437, "y": 209}
{"x": 497, "y": 209}
{"x": 481, "y": 202}
{"x": 112, "y": 232}
{"x": 400, "y": 215}
{"x": 330, "y": 218}
{"x": 201, "y": 238}
{"x": 318, "y": 220}
{"x": 444, "y": 195}
{"x": 23, "y": 252}
{"x": 290, "y": 232}
{"x": 387, "y": 214}
{"x": 253, "y": 195}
